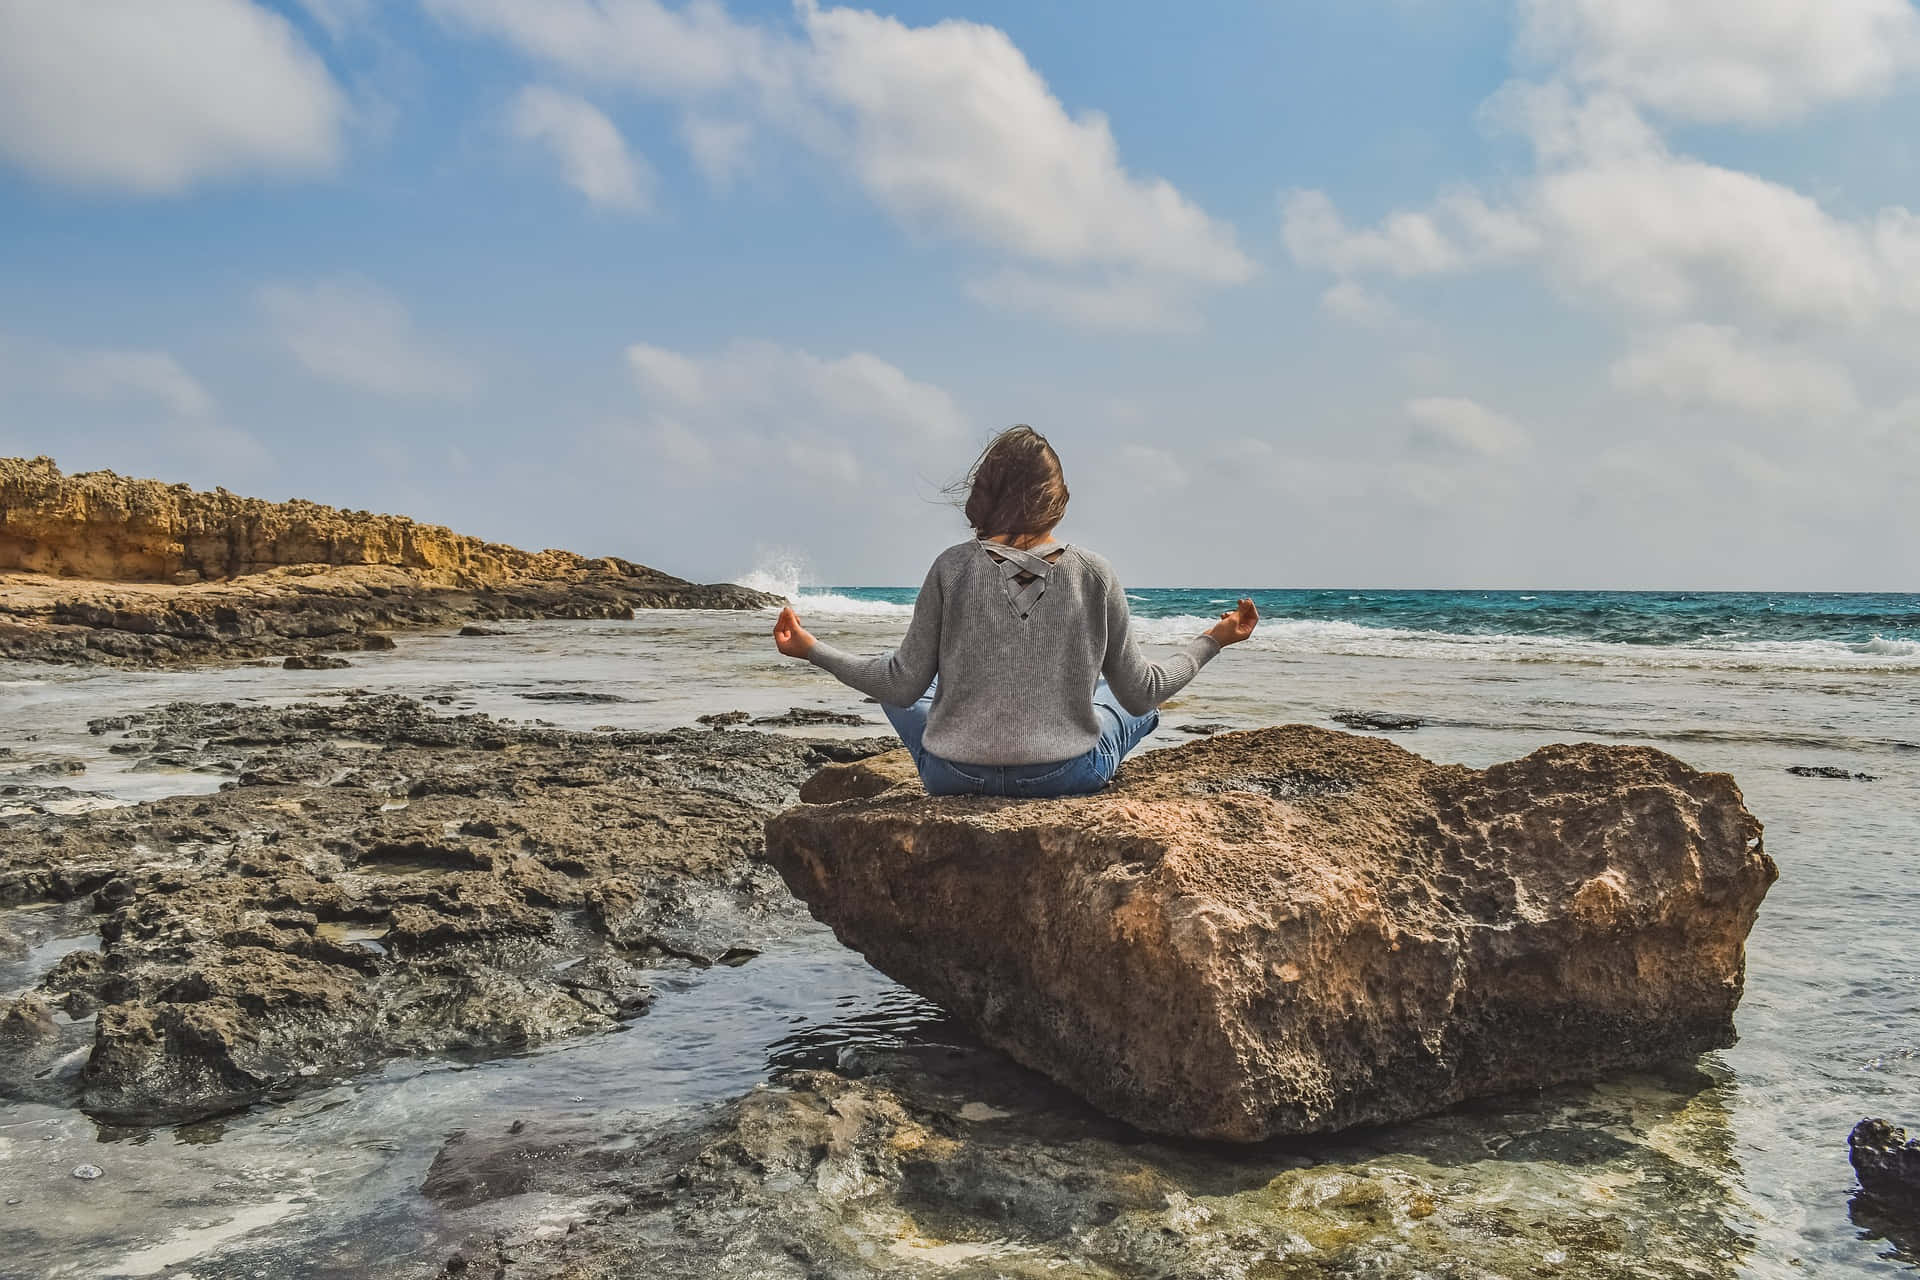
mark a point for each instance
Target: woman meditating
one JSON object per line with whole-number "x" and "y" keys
{"x": 1019, "y": 675}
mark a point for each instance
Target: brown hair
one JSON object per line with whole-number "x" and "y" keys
{"x": 1016, "y": 486}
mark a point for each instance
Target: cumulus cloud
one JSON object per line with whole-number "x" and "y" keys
{"x": 1465, "y": 426}
{"x": 1353, "y": 302}
{"x": 1726, "y": 60}
{"x": 720, "y": 148}
{"x": 947, "y": 127}
{"x": 352, "y": 332}
{"x": 154, "y": 98}
{"x": 1710, "y": 366}
{"x": 592, "y": 154}
{"x": 807, "y": 406}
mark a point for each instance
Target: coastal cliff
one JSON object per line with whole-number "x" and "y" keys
{"x": 98, "y": 567}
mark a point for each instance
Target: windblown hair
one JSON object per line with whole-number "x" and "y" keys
{"x": 1016, "y": 487}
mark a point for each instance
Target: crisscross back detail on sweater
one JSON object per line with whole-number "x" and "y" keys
{"x": 1024, "y": 573}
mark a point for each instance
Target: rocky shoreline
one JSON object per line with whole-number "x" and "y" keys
{"x": 101, "y": 569}
{"x": 382, "y": 881}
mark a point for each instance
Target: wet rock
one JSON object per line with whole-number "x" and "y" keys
{"x": 1204, "y": 729}
{"x": 802, "y": 717}
{"x": 722, "y": 719}
{"x": 64, "y": 768}
{"x": 315, "y": 662}
{"x": 24, "y": 1022}
{"x": 88, "y": 1172}
{"x": 573, "y": 695}
{"x": 1887, "y": 1162}
{"x": 1829, "y": 771}
{"x": 479, "y": 632}
{"x": 1383, "y": 721}
{"x": 388, "y": 881}
{"x": 1295, "y": 931}
{"x": 948, "y": 1161}
{"x": 376, "y": 642}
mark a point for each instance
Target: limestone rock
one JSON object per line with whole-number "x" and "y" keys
{"x": 100, "y": 568}
{"x": 1296, "y": 930}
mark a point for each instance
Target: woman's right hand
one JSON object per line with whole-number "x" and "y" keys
{"x": 1235, "y": 625}
{"x": 789, "y": 636}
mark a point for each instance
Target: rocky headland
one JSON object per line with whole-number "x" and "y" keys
{"x": 1295, "y": 931}
{"x": 100, "y": 568}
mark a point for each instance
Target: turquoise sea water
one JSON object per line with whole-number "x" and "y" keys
{"x": 1775, "y": 629}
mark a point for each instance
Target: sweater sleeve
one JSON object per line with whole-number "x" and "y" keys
{"x": 1139, "y": 684}
{"x": 898, "y": 678}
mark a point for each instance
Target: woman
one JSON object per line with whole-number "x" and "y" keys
{"x": 1019, "y": 631}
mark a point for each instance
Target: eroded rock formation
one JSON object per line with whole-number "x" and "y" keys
{"x": 1295, "y": 930}
{"x": 383, "y": 881}
{"x": 100, "y": 568}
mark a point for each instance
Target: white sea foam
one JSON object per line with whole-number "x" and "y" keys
{"x": 785, "y": 575}
{"x": 1347, "y": 639}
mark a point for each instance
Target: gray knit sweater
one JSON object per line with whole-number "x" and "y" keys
{"x": 1015, "y": 690}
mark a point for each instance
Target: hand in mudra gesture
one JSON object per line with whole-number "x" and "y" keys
{"x": 1235, "y": 625}
{"x": 789, "y": 636}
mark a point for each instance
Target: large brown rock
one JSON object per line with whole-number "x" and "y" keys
{"x": 1296, "y": 930}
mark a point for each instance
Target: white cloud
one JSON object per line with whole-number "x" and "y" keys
{"x": 149, "y": 375}
{"x": 720, "y": 148}
{"x": 592, "y": 154}
{"x": 947, "y": 127}
{"x": 1727, "y": 60}
{"x": 1708, "y": 366}
{"x": 1613, "y": 214}
{"x": 1152, "y": 468}
{"x": 1461, "y": 232}
{"x": 354, "y": 333}
{"x": 338, "y": 16}
{"x": 1465, "y": 426}
{"x": 152, "y": 98}
{"x": 762, "y": 385}
{"x": 1128, "y": 304}
{"x": 1356, "y": 304}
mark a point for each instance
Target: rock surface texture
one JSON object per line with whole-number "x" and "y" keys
{"x": 1887, "y": 1163}
{"x": 1295, "y": 930}
{"x": 97, "y": 567}
{"x": 382, "y": 881}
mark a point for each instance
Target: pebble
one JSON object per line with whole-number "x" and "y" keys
{"x": 88, "y": 1172}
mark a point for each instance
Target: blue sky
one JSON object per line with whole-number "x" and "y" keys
{"x": 1613, "y": 293}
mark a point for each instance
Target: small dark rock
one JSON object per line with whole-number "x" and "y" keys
{"x": 58, "y": 768}
{"x": 1887, "y": 1163}
{"x": 375, "y": 642}
{"x": 721, "y": 719}
{"x": 802, "y": 717}
{"x": 1383, "y": 721}
{"x": 573, "y": 695}
{"x": 108, "y": 724}
{"x": 476, "y": 632}
{"x": 1829, "y": 771}
{"x": 315, "y": 662}
{"x": 1204, "y": 730}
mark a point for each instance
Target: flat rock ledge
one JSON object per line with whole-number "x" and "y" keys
{"x": 1295, "y": 930}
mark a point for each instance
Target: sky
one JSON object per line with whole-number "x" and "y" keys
{"x": 1373, "y": 293}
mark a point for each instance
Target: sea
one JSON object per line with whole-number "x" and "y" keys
{"x": 1753, "y": 684}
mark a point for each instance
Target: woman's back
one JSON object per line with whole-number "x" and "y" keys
{"x": 1018, "y": 641}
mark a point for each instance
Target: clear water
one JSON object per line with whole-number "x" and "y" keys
{"x": 1830, "y": 1027}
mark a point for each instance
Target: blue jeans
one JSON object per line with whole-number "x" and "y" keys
{"x": 1120, "y": 732}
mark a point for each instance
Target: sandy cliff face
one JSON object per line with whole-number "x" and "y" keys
{"x": 108, "y": 527}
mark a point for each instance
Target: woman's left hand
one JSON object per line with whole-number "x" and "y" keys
{"x": 789, "y": 636}
{"x": 1236, "y": 625}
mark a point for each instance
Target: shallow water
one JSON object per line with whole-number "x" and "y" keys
{"x": 327, "y": 1183}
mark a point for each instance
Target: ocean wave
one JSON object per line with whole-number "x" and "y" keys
{"x": 1351, "y": 639}
{"x": 782, "y": 576}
